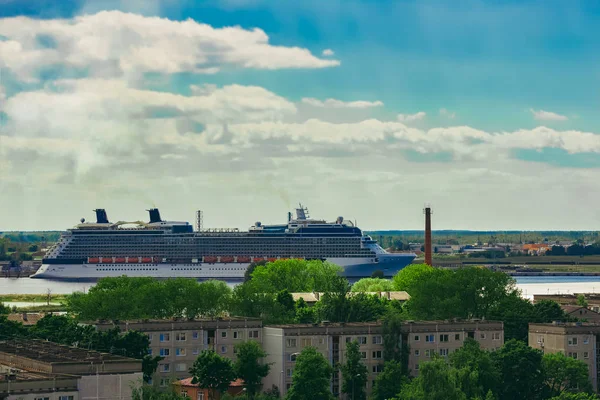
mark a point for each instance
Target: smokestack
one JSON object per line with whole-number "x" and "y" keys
{"x": 154, "y": 215}
{"x": 428, "y": 257}
{"x": 101, "y": 217}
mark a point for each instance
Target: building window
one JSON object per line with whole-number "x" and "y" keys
{"x": 195, "y": 351}
{"x": 377, "y": 340}
{"x": 180, "y": 337}
{"x": 290, "y": 343}
{"x": 482, "y": 335}
{"x": 321, "y": 340}
{"x": 363, "y": 354}
{"x": 165, "y": 367}
{"x": 149, "y": 351}
{"x": 180, "y": 367}
{"x": 377, "y": 354}
{"x": 573, "y": 355}
{"x": 572, "y": 341}
{"x": 443, "y": 338}
{"x": 164, "y": 352}
{"x": 348, "y": 339}
{"x": 42, "y": 398}
{"x": 540, "y": 339}
{"x": 417, "y": 338}
{"x": 150, "y": 336}
{"x": 586, "y": 340}
{"x": 377, "y": 368}
{"x": 430, "y": 338}
{"x": 586, "y": 354}
{"x": 200, "y": 396}
{"x": 223, "y": 334}
{"x": 66, "y": 397}
{"x": 427, "y": 353}
{"x": 253, "y": 334}
{"x": 237, "y": 334}
{"x": 362, "y": 340}
{"x": 164, "y": 382}
{"x": 180, "y": 352}
{"x": 289, "y": 372}
{"x": 165, "y": 337}
{"x": 194, "y": 335}
{"x": 443, "y": 352}
{"x": 417, "y": 367}
{"x": 496, "y": 336}
{"x": 457, "y": 336}
{"x": 417, "y": 353}
{"x": 306, "y": 342}
{"x": 292, "y": 357}
{"x": 223, "y": 349}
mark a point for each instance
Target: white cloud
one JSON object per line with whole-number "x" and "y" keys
{"x": 327, "y": 52}
{"x": 113, "y": 43}
{"x": 447, "y": 114}
{"x": 334, "y": 103}
{"x": 542, "y": 115}
{"x": 411, "y": 117}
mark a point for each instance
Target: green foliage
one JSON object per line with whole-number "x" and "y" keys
{"x": 476, "y": 372}
{"x": 213, "y": 372}
{"x": 294, "y": 276}
{"x": 4, "y": 309}
{"x": 145, "y": 392}
{"x": 436, "y": 381}
{"x": 581, "y": 300}
{"x": 576, "y": 396}
{"x": 134, "y": 298}
{"x": 394, "y": 343}
{"x": 354, "y": 373}
{"x": 373, "y": 285}
{"x": 311, "y": 377}
{"x": 521, "y": 369}
{"x": 410, "y": 275}
{"x": 10, "y": 329}
{"x": 378, "y": 274}
{"x": 389, "y": 382}
{"x": 564, "y": 374}
{"x": 304, "y": 313}
{"x": 249, "y": 366}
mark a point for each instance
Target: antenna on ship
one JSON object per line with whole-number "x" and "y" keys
{"x": 199, "y": 220}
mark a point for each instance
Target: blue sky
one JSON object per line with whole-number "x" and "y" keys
{"x": 521, "y": 77}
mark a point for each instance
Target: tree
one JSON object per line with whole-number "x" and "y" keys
{"x": 408, "y": 276}
{"x": 251, "y": 268}
{"x": 294, "y": 276}
{"x": 576, "y": 396}
{"x": 4, "y": 309}
{"x": 581, "y": 300}
{"x": 373, "y": 285}
{"x": 213, "y": 372}
{"x": 394, "y": 343}
{"x": 304, "y": 313}
{"x": 477, "y": 373}
{"x": 146, "y": 392}
{"x": 249, "y": 366}
{"x": 564, "y": 374}
{"x": 311, "y": 377}
{"x": 354, "y": 373}
{"x": 378, "y": 274}
{"x": 334, "y": 305}
{"x": 389, "y": 382}
{"x": 521, "y": 369}
{"x": 436, "y": 381}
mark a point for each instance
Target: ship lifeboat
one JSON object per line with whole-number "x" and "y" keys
{"x": 133, "y": 260}
{"x": 107, "y": 260}
{"x": 146, "y": 260}
{"x": 119, "y": 259}
{"x": 210, "y": 259}
{"x": 243, "y": 259}
{"x": 93, "y": 260}
{"x": 257, "y": 259}
{"x": 272, "y": 259}
{"x": 226, "y": 259}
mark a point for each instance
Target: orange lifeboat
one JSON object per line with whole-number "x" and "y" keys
{"x": 107, "y": 260}
{"x": 146, "y": 260}
{"x": 226, "y": 259}
{"x": 133, "y": 260}
{"x": 93, "y": 260}
{"x": 210, "y": 259}
{"x": 119, "y": 259}
{"x": 243, "y": 259}
{"x": 272, "y": 259}
{"x": 256, "y": 259}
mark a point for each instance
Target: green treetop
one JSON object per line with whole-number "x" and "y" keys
{"x": 311, "y": 377}
{"x": 354, "y": 373}
{"x": 213, "y": 372}
{"x": 249, "y": 366}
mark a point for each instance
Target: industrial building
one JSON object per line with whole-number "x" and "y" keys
{"x": 40, "y": 370}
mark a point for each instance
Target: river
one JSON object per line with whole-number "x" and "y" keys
{"x": 529, "y": 285}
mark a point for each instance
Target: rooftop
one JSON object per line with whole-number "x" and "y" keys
{"x": 49, "y": 352}
{"x": 408, "y": 324}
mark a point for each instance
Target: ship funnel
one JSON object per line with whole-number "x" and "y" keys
{"x": 101, "y": 217}
{"x": 154, "y": 215}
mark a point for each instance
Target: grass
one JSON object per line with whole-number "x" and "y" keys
{"x": 34, "y": 298}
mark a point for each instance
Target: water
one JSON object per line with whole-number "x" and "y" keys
{"x": 529, "y": 285}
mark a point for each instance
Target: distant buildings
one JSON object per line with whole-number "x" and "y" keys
{"x": 40, "y": 370}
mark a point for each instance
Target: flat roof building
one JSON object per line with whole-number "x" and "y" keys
{"x": 36, "y": 369}
{"x": 181, "y": 340}
{"x": 574, "y": 339}
{"x": 424, "y": 338}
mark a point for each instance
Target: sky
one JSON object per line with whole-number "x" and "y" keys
{"x": 489, "y": 111}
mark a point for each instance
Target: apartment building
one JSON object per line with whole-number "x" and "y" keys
{"x": 283, "y": 343}
{"x": 577, "y": 340}
{"x": 180, "y": 341}
{"x": 40, "y": 370}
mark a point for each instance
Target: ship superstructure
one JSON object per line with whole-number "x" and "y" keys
{"x": 165, "y": 249}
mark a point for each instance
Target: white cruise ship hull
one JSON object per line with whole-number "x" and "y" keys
{"x": 390, "y": 264}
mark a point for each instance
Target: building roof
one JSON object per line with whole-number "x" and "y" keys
{"x": 187, "y": 382}
{"x": 307, "y": 296}
{"x": 26, "y": 318}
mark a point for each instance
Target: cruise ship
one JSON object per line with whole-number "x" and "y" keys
{"x": 168, "y": 249}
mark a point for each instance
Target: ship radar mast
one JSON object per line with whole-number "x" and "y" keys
{"x": 302, "y": 213}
